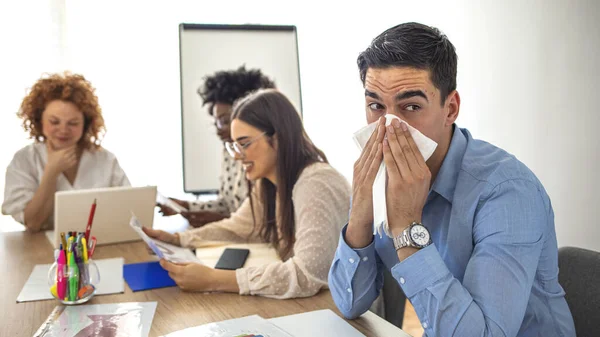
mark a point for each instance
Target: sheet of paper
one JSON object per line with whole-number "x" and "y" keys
{"x": 162, "y": 249}
{"x": 50, "y": 237}
{"x": 111, "y": 280}
{"x": 175, "y": 253}
{"x": 120, "y": 319}
{"x": 239, "y": 327}
{"x": 316, "y": 323}
{"x": 260, "y": 253}
{"x": 161, "y": 199}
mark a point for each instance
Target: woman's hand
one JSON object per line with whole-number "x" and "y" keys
{"x": 189, "y": 276}
{"x": 201, "y": 218}
{"x": 197, "y": 277}
{"x": 168, "y": 211}
{"x": 61, "y": 160}
{"x": 162, "y": 236}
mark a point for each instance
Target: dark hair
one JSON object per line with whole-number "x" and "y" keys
{"x": 413, "y": 45}
{"x": 271, "y": 112}
{"x": 227, "y": 86}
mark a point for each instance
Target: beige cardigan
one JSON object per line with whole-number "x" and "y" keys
{"x": 321, "y": 198}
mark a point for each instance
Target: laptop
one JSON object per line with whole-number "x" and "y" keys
{"x": 114, "y": 206}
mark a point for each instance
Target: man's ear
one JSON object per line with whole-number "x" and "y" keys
{"x": 452, "y": 107}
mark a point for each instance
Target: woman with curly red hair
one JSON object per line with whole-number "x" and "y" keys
{"x": 62, "y": 116}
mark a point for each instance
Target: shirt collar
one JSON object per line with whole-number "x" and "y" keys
{"x": 445, "y": 182}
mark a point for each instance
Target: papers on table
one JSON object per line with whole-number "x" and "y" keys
{"x": 260, "y": 253}
{"x": 111, "y": 280}
{"x": 243, "y": 327}
{"x": 316, "y": 323}
{"x": 309, "y": 324}
{"x": 120, "y": 319}
{"x": 50, "y": 236}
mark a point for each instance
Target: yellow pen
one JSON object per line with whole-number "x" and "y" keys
{"x": 85, "y": 252}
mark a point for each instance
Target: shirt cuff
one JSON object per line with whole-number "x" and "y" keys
{"x": 354, "y": 254}
{"x": 242, "y": 280}
{"x": 420, "y": 270}
{"x": 185, "y": 238}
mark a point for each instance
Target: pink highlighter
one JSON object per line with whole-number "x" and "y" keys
{"x": 61, "y": 275}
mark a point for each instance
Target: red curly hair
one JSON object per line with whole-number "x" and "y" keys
{"x": 67, "y": 87}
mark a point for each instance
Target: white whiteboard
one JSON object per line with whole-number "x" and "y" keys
{"x": 206, "y": 49}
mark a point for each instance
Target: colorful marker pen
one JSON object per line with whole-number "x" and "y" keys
{"x": 73, "y": 278}
{"x": 61, "y": 273}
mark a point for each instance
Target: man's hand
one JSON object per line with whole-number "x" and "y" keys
{"x": 360, "y": 227}
{"x": 199, "y": 219}
{"x": 409, "y": 178}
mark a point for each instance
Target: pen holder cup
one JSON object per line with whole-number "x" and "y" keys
{"x": 84, "y": 282}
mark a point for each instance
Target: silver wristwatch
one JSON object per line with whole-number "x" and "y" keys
{"x": 415, "y": 235}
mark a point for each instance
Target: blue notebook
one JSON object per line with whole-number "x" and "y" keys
{"x": 146, "y": 275}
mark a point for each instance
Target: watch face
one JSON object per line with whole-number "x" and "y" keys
{"x": 420, "y": 235}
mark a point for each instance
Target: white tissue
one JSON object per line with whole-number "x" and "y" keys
{"x": 426, "y": 147}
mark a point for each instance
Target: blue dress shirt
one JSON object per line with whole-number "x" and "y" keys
{"x": 492, "y": 269}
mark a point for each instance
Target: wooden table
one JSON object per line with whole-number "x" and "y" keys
{"x": 176, "y": 310}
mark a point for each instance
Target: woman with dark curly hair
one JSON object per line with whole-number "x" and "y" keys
{"x": 220, "y": 91}
{"x": 62, "y": 116}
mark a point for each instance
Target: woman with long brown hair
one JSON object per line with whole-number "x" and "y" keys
{"x": 297, "y": 202}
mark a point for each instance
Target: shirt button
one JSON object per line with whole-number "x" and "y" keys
{"x": 402, "y": 281}
{"x": 365, "y": 258}
{"x": 351, "y": 260}
{"x": 349, "y": 290}
{"x": 425, "y": 325}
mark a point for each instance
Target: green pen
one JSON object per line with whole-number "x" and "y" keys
{"x": 73, "y": 278}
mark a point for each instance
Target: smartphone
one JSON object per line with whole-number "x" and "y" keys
{"x": 232, "y": 259}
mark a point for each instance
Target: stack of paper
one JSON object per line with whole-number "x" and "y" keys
{"x": 309, "y": 324}
{"x": 111, "y": 280}
{"x": 248, "y": 326}
{"x": 316, "y": 323}
{"x": 260, "y": 253}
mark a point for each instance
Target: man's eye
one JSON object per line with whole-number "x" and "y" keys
{"x": 375, "y": 106}
{"x": 413, "y": 107}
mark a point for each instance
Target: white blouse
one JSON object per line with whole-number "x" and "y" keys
{"x": 97, "y": 168}
{"x": 233, "y": 191}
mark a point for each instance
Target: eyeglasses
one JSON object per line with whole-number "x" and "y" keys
{"x": 237, "y": 148}
{"x": 222, "y": 122}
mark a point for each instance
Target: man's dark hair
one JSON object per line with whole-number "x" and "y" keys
{"x": 227, "y": 86}
{"x": 413, "y": 45}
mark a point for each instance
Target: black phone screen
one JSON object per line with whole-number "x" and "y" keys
{"x": 232, "y": 259}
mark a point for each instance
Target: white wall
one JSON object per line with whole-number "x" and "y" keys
{"x": 30, "y": 44}
{"x": 527, "y": 78}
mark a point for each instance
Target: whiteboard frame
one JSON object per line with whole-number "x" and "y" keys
{"x": 221, "y": 27}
